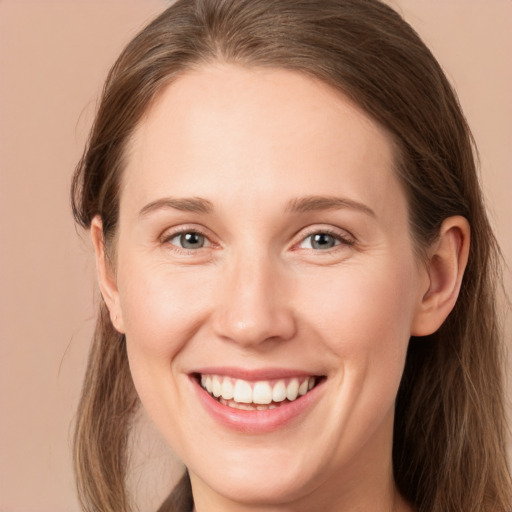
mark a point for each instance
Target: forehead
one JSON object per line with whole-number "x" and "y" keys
{"x": 227, "y": 129}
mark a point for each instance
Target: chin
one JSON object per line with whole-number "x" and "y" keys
{"x": 259, "y": 488}
{"x": 267, "y": 476}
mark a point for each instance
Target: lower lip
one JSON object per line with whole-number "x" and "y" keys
{"x": 256, "y": 421}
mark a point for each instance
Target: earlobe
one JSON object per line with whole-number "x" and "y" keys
{"x": 106, "y": 274}
{"x": 447, "y": 260}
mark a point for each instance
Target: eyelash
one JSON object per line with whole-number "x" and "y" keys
{"x": 167, "y": 237}
{"x": 338, "y": 237}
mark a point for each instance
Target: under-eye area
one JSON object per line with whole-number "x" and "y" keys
{"x": 257, "y": 395}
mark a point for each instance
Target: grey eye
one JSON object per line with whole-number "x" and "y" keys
{"x": 319, "y": 241}
{"x": 189, "y": 240}
{"x": 322, "y": 241}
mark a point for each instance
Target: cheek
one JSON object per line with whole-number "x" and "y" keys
{"x": 364, "y": 315}
{"x": 364, "y": 323}
{"x": 161, "y": 313}
{"x": 159, "y": 307}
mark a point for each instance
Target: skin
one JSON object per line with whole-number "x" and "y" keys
{"x": 258, "y": 294}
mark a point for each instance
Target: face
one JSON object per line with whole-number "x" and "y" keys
{"x": 266, "y": 283}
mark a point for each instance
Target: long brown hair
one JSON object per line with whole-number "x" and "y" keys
{"x": 449, "y": 450}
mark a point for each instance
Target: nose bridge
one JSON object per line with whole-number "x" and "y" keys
{"x": 252, "y": 306}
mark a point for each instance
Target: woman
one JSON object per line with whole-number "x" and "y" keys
{"x": 297, "y": 271}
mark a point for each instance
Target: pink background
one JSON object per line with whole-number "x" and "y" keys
{"x": 54, "y": 56}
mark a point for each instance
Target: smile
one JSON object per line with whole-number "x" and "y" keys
{"x": 256, "y": 401}
{"x": 256, "y": 395}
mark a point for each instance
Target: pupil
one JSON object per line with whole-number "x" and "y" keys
{"x": 323, "y": 241}
{"x": 192, "y": 240}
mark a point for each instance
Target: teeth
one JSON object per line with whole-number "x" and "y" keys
{"x": 208, "y": 384}
{"x": 264, "y": 394}
{"x": 227, "y": 389}
{"x": 242, "y": 392}
{"x": 216, "y": 388}
{"x": 292, "y": 391}
{"x": 303, "y": 388}
{"x": 279, "y": 392}
{"x": 244, "y": 407}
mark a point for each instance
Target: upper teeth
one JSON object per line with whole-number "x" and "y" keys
{"x": 259, "y": 392}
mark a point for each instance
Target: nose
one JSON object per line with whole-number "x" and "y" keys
{"x": 252, "y": 303}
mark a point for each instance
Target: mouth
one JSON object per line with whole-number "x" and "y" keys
{"x": 257, "y": 395}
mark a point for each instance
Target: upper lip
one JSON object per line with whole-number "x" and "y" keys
{"x": 253, "y": 374}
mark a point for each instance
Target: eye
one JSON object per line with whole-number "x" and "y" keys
{"x": 319, "y": 241}
{"x": 189, "y": 240}
{"x": 323, "y": 241}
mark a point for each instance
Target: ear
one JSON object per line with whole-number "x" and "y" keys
{"x": 106, "y": 275}
{"x": 447, "y": 259}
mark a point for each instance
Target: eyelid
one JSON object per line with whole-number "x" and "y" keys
{"x": 204, "y": 238}
{"x": 171, "y": 233}
{"x": 343, "y": 236}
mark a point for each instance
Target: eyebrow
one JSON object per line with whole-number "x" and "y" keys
{"x": 297, "y": 205}
{"x": 319, "y": 203}
{"x": 189, "y": 204}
